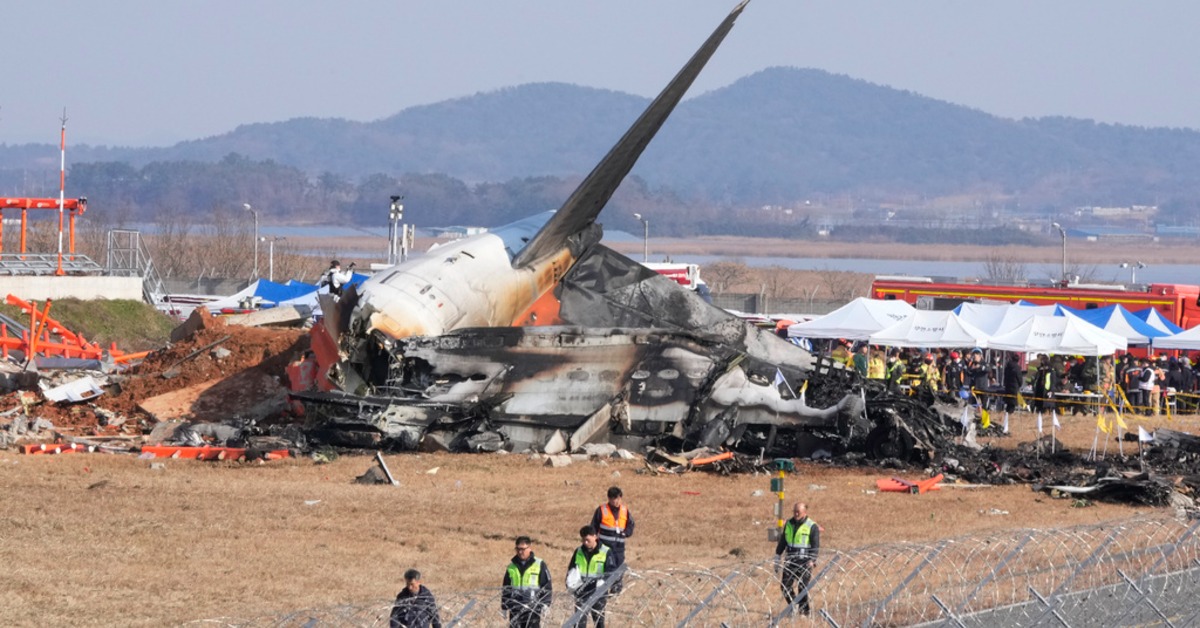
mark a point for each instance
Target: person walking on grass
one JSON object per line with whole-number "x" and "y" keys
{"x": 614, "y": 523}
{"x": 796, "y": 556}
{"x": 415, "y": 606}
{"x": 527, "y": 589}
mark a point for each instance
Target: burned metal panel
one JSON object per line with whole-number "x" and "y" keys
{"x": 605, "y": 288}
{"x": 558, "y": 376}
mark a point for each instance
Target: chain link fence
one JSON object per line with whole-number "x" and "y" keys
{"x": 1139, "y": 572}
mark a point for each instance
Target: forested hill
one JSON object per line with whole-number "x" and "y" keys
{"x": 779, "y": 136}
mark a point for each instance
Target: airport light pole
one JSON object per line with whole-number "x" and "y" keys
{"x": 1063, "y": 233}
{"x": 1133, "y": 268}
{"x": 271, "y": 255}
{"x": 645, "y": 237}
{"x": 255, "y": 214}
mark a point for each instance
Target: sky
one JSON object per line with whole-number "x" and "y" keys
{"x": 152, "y": 73}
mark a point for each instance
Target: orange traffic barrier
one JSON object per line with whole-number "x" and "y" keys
{"x": 52, "y": 448}
{"x": 897, "y": 485}
{"x": 696, "y": 462}
{"x": 208, "y": 453}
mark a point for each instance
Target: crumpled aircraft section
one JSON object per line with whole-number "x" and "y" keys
{"x": 639, "y": 357}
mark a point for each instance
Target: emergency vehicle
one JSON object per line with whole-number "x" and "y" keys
{"x": 1177, "y": 303}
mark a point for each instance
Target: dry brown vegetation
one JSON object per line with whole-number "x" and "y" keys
{"x": 101, "y": 540}
{"x": 1106, "y": 252}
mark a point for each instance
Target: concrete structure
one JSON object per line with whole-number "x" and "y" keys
{"x": 42, "y": 287}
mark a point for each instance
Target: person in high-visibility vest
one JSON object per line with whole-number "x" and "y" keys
{"x": 614, "y": 523}
{"x": 796, "y": 556}
{"x": 591, "y": 564}
{"x": 527, "y": 589}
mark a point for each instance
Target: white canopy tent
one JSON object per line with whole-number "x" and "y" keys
{"x": 996, "y": 319}
{"x": 932, "y": 329}
{"x": 1189, "y": 340}
{"x": 1058, "y": 335}
{"x": 856, "y": 320}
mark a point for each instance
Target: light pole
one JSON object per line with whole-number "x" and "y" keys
{"x": 255, "y": 214}
{"x": 1133, "y": 268}
{"x": 271, "y": 255}
{"x": 1063, "y": 233}
{"x": 645, "y": 237}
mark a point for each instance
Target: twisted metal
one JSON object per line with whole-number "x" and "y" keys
{"x": 1138, "y": 572}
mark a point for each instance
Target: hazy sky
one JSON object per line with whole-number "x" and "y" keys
{"x": 154, "y": 72}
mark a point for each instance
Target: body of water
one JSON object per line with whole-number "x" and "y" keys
{"x": 1160, "y": 273}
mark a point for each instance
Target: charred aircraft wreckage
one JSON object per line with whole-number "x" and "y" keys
{"x": 535, "y": 332}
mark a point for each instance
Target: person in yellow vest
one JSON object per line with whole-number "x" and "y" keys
{"x": 876, "y": 367}
{"x": 527, "y": 589}
{"x": 614, "y": 524}
{"x": 841, "y": 352}
{"x": 796, "y": 556}
{"x": 589, "y": 566}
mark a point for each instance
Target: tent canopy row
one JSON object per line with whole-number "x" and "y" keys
{"x": 1053, "y": 329}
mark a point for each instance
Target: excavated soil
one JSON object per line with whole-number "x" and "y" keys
{"x": 256, "y": 362}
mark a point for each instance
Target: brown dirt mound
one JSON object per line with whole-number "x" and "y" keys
{"x": 255, "y": 352}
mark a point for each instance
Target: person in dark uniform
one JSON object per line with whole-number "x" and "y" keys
{"x": 527, "y": 589}
{"x": 614, "y": 523}
{"x": 593, "y": 562}
{"x": 796, "y": 556}
{"x": 415, "y": 606}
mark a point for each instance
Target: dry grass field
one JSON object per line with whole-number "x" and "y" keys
{"x": 102, "y": 540}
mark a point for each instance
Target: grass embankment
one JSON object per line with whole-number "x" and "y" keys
{"x": 133, "y": 325}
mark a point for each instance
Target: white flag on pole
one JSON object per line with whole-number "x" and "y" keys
{"x": 1144, "y": 436}
{"x": 965, "y": 419}
{"x": 779, "y": 378}
{"x": 1054, "y": 420}
{"x": 1006, "y": 422}
{"x": 1039, "y": 423}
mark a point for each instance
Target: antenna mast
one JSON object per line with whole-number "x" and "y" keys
{"x": 62, "y": 188}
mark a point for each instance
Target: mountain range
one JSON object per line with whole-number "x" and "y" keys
{"x": 781, "y": 136}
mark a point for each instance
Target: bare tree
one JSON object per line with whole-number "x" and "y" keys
{"x": 1002, "y": 268}
{"x": 725, "y": 275}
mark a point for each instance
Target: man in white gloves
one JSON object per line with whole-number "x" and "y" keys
{"x": 590, "y": 564}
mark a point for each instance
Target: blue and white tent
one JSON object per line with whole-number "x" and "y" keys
{"x": 1156, "y": 320}
{"x": 1120, "y": 321}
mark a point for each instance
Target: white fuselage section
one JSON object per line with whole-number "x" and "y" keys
{"x": 467, "y": 283}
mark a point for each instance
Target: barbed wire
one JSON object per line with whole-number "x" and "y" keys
{"x": 1143, "y": 571}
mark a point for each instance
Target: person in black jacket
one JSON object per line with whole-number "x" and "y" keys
{"x": 527, "y": 587}
{"x": 1013, "y": 378}
{"x": 415, "y": 606}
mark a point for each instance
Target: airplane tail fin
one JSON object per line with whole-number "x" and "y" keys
{"x": 590, "y": 197}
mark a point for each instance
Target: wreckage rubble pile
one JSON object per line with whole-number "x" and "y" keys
{"x": 241, "y": 364}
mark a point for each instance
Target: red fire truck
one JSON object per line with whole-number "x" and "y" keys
{"x": 1179, "y": 304}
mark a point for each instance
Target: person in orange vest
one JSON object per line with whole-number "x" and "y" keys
{"x": 796, "y": 556}
{"x": 615, "y": 524}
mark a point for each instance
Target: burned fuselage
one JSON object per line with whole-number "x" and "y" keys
{"x": 615, "y": 384}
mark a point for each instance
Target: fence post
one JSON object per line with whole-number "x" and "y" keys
{"x": 995, "y": 572}
{"x": 928, "y": 559}
{"x": 1174, "y": 547}
{"x": 1075, "y": 574}
{"x": 1144, "y": 597}
{"x": 946, "y": 611}
{"x": 1049, "y": 604}
{"x": 805, "y": 591}
{"x": 708, "y": 599}
{"x": 457, "y": 618}
{"x": 601, "y": 591}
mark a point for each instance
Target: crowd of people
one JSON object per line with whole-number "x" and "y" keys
{"x": 1001, "y": 380}
{"x": 594, "y": 572}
